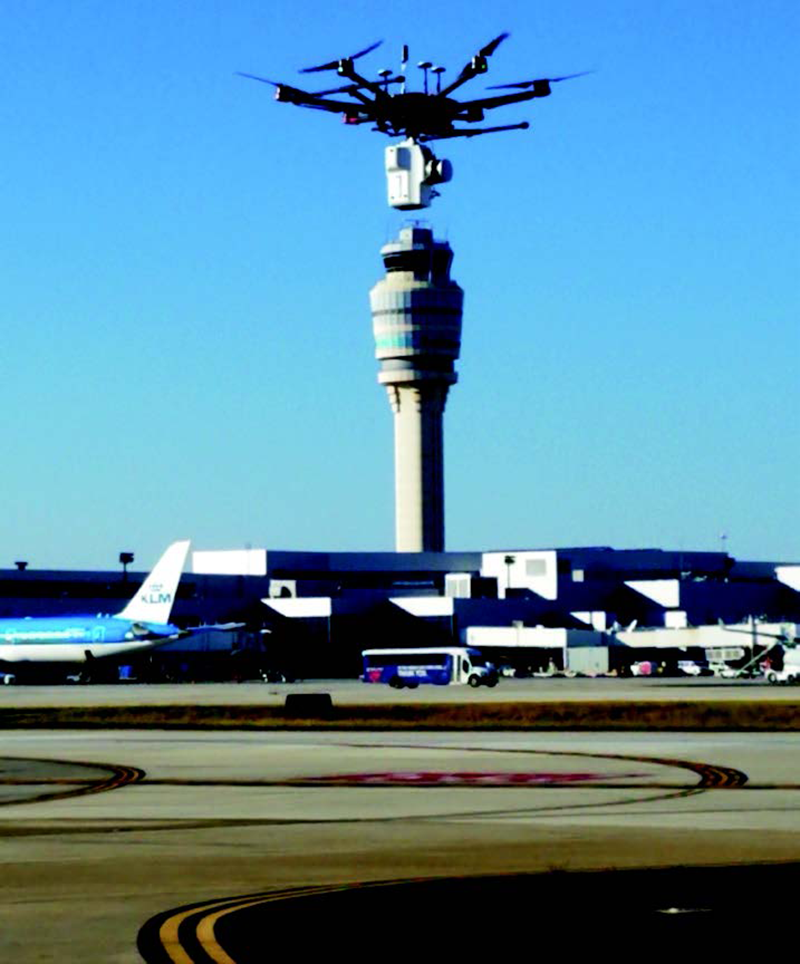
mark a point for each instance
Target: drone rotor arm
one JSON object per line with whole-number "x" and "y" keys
{"x": 374, "y": 88}
{"x": 489, "y": 103}
{"x": 303, "y": 99}
{"x": 476, "y": 132}
{"x": 466, "y": 74}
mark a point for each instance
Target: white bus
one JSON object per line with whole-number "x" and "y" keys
{"x": 430, "y": 664}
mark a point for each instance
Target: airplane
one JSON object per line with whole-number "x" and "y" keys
{"x": 418, "y": 115}
{"x": 28, "y": 644}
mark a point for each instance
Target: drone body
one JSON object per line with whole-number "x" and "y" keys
{"x": 417, "y": 116}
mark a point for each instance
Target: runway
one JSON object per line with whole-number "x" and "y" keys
{"x": 182, "y": 841}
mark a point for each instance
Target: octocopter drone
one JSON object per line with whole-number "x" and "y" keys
{"x": 412, "y": 170}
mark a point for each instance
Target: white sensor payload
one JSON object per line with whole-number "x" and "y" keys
{"x": 412, "y": 171}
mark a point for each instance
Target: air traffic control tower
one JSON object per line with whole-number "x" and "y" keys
{"x": 416, "y": 319}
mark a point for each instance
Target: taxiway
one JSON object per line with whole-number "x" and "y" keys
{"x": 104, "y": 832}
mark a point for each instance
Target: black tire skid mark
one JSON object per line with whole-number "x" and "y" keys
{"x": 120, "y": 775}
{"x": 711, "y": 776}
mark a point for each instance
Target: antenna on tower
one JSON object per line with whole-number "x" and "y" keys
{"x": 403, "y": 65}
{"x": 425, "y": 66}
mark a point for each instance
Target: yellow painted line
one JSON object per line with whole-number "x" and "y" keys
{"x": 168, "y": 935}
{"x": 168, "y": 932}
{"x": 207, "y": 938}
{"x": 205, "y": 929}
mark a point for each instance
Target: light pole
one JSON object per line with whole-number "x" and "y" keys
{"x": 509, "y": 561}
{"x": 126, "y": 558}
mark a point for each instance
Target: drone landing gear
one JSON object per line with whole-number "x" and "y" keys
{"x": 412, "y": 171}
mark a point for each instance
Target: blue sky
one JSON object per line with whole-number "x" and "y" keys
{"x": 186, "y": 267}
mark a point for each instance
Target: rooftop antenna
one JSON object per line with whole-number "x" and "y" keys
{"x": 425, "y": 66}
{"x": 403, "y": 65}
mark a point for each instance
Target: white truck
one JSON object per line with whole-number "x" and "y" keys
{"x": 790, "y": 673}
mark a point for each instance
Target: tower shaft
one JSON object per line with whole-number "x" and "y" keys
{"x": 416, "y": 314}
{"x": 419, "y": 469}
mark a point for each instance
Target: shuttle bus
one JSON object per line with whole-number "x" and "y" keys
{"x": 437, "y": 665}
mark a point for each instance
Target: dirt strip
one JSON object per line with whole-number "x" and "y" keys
{"x": 321, "y": 713}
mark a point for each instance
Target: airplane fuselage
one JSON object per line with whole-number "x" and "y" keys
{"x": 74, "y": 639}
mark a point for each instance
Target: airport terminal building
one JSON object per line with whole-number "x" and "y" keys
{"x": 310, "y": 614}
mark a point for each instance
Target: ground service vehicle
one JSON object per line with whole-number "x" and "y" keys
{"x": 789, "y": 672}
{"x": 437, "y": 665}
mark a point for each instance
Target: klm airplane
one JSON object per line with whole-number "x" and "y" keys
{"x": 28, "y": 643}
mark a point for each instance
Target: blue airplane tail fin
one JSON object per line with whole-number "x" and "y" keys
{"x": 153, "y": 601}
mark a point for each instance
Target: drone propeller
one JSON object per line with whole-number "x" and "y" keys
{"x": 542, "y": 83}
{"x": 477, "y": 65}
{"x": 490, "y": 48}
{"x": 262, "y": 79}
{"x": 333, "y": 64}
{"x": 351, "y": 88}
{"x": 347, "y": 89}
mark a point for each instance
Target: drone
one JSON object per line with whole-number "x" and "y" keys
{"x": 417, "y": 116}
